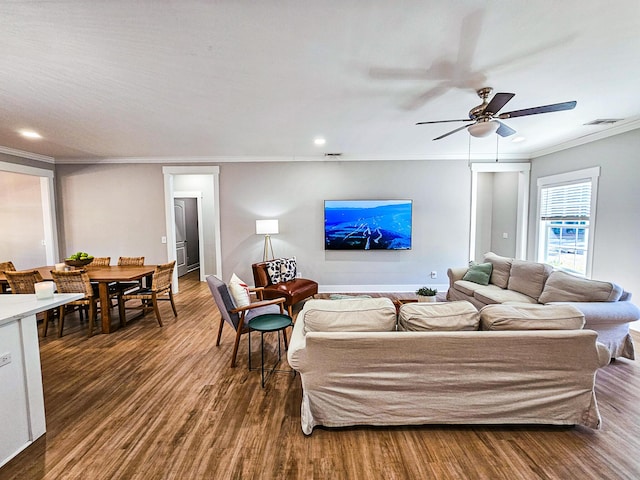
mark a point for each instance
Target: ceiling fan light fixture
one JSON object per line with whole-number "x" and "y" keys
{"x": 483, "y": 129}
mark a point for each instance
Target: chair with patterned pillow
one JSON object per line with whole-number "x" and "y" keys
{"x": 278, "y": 278}
{"x": 238, "y": 317}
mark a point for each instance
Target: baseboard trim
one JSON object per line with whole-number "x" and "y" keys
{"x": 377, "y": 288}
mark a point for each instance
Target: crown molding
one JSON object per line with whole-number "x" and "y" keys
{"x": 29, "y": 155}
{"x": 614, "y": 130}
{"x": 292, "y": 158}
{"x": 617, "y": 129}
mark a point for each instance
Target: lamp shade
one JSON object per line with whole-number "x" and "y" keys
{"x": 266, "y": 227}
{"x": 483, "y": 129}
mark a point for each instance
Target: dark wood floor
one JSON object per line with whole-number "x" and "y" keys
{"x": 162, "y": 403}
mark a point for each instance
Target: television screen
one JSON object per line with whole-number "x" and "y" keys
{"x": 367, "y": 224}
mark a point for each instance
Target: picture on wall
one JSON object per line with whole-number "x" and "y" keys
{"x": 367, "y": 224}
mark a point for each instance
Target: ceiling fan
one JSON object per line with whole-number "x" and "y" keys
{"x": 486, "y": 119}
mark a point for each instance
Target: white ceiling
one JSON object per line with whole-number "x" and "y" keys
{"x": 189, "y": 79}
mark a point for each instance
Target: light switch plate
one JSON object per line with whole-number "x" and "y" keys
{"x": 5, "y": 359}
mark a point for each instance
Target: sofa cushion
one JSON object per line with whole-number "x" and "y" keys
{"x": 479, "y": 273}
{"x": 466, "y": 287}
{"x": 239, "y": 291}
{"x": 501, "y": 269}
{"x": 528, "y": 277}
{"x": 564, "y": 287}
{"x": 448, "y": 316}
{"x": 531, "y": 317}
{"x": 354, "y": 315}
{"x": 493, "y": 294}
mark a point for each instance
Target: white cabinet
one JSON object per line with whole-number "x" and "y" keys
{"x": 21, "y": 398}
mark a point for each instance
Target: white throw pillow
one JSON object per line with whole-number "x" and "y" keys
{"x": 239, "y": 291}
{"x": 273, "y": 269}
{"x": 287, "y": 269}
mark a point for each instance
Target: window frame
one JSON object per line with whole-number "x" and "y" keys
{"x": 585, "y": 175}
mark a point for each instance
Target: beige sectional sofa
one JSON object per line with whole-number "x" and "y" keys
{"x": 605, "y": 305}
{"x": 357, "y": 368}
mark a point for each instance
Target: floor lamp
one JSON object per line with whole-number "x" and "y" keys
{"x": 267, "y": 228}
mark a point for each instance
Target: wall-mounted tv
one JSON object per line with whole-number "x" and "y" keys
{"x": 367, "y": 224}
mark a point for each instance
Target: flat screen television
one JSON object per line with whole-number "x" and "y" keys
{"x": 367, "y": 224}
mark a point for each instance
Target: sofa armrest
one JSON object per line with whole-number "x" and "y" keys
{"x": 261, "y": 303}
{"x": 605, "y": 313}
{"x": 604, "y": 356}
{"x": 297, "y": 344}
{"x": 455, "y": 274}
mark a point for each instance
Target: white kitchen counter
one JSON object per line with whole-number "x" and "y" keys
{"x": 22, "y": 418}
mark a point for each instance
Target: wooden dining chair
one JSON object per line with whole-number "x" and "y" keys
{"x": 23, "y": 282}
{"x": 150, "y": 296}
{"x": 99, "y": 262}
{"x": 122, "y": 287}
{"x": 76, "y": 281}
{"x": 6, "y": 267}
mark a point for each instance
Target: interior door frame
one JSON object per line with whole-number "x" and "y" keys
{"x": 522, "y": 209}
{"x": 170, "y": 222}
{"x": 198, "y": 196}
{"x": 47, "y": 195}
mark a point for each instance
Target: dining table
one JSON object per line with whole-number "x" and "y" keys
{"x": 103, "y": 276}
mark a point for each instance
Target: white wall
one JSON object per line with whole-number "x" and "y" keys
{"x": 484, "y": 213}
{"x": 496, "y": 213}
{"x": 112, "y": 210}
{"x": 22, "y": 220}
{"x": 504, "y": 216}
{"x": 295, "y": 193}
{"x": 118, "y": 209}
{"x": 617, "y": 229}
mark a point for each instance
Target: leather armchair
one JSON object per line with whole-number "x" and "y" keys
{"x": 293, "y": 291}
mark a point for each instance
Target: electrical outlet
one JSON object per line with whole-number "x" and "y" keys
{"x": 434, "y": 274}
{"x": 5, "y": 359}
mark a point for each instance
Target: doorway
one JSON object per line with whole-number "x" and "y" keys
{"x": 478, "y": 205}
{"x": 201, "y": 182}
{"x": 45, "y": 189}
{"x": 187, "y": 234}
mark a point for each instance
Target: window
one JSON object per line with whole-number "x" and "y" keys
{"x": 566, "y": 215}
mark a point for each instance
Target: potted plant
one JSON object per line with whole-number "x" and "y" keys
{"x": 426, "y": 294}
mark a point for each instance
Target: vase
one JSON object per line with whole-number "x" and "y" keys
{"x": 430, "y": 299}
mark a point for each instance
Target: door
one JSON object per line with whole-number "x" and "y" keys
{"x": 181, "y": 236}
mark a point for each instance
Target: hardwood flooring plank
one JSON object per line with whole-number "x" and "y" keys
{"x": 147, "y": 403}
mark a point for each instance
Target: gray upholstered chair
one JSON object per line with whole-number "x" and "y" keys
{"x": 238, "y": 317}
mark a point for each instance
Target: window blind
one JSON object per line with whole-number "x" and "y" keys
{"x": 570, "y": 202}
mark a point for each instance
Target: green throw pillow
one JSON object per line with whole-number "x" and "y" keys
{"x": 479, "y": 273}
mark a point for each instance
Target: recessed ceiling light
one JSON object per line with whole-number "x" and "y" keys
{"x": 518, "y": 139}
{"x": 319, "y": 141}
{"x": 30, "y": 134}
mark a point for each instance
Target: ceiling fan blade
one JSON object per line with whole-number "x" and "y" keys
{"x": 504, "y": 130}
{"x": 446, "y": 121}
{"x": 556, "y": 107}
{"x": 451, "y": 132}
{"x": 498, "y": 101}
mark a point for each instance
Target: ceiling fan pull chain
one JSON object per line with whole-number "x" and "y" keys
{"x": 497, "y": 143}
